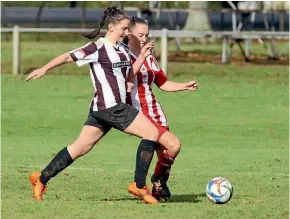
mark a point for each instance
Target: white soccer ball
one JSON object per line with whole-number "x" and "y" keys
{"x": 219, "y": 190}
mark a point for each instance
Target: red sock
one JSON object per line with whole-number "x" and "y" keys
{"x": 163, "y": 165}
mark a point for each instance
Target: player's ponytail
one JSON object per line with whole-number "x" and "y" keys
{"x": 95, "y": 32}
{"x": 111, "y": 15}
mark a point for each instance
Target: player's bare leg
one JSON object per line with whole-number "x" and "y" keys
{"x": 88, "y": 137}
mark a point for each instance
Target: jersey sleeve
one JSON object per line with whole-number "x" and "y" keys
{"x": 160, "y": 77}
{"x": 132, "y": 59}
{"x": 85, "y": 54}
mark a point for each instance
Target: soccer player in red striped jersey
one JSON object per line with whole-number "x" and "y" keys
{"x": 143, "y": 98}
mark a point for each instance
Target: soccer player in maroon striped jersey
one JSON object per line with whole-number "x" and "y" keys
{"x": 143, "y": 98}
{"x": 110, "y": 68}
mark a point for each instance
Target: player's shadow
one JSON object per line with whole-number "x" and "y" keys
{"x": 119, "y": 199}
{"x": 193, "y": 198}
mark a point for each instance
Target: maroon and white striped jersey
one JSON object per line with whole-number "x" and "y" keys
{"x": 109, "y": 69}
{"x": 142, "y": 96}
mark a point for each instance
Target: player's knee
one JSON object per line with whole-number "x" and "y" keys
{"x": 177, "y": 147}
{"x": 174, "y": 147}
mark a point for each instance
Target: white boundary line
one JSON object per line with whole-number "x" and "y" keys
{"x": 69, "y": 168}
{"x": 131, "y": 171}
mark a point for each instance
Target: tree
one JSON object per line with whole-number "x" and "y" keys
{"x": 197, "y": 19}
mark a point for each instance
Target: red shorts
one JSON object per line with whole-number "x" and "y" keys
{"x": 161, "y": 129}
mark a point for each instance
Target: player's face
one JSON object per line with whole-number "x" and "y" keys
{"x": 141, "y": 32}
{"x": 121, "y": 29}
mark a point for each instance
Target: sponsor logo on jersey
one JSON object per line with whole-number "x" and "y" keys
{"x": 121, "y": 64}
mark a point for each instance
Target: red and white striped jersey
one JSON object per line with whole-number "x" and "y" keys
{"x": 142, "y": 96}
{"x": 109, "y": 69}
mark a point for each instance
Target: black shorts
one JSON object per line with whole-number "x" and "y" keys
{"x": 118, "y": 117}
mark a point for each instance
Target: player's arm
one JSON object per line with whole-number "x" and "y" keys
{"x": 82, "y": 55}
{"x": 60, "y": 60}
{"x": 130, "y": 80}
{"x": 171, "y": 86}
{"x": 145, "y": 51}
{"x": 138, "y": 63}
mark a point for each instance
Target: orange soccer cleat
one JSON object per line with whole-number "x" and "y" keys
{"x": 38, "y": 189}
{"x": 143, "y": 194}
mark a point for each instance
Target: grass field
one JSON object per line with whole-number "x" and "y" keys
{"x": 44, "y": 50}
{"x": 235, "y": 126}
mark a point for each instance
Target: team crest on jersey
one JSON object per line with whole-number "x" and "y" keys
{"x": 145, "y": 78}
{"x": 121, "y": 64}
{"x": 80, "y": 54}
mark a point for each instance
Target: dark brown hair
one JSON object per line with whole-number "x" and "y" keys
{"x": 136, "y": 20}
{"x": 112, "y": 15}
{"x": 133, "y": 21}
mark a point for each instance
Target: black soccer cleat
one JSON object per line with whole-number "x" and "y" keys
{"x": 160, "y": 190}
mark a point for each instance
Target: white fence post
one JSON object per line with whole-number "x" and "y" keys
{"x": 224, "y": 50}
{"x": 164, "y": 50}
{"x": 248, "y": 43}
{"x": 273, "y": 46}
{"x": 234, "y": 20}
{"x": 16, "y": 51}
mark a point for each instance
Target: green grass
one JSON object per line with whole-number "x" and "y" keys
{"x": 45, "y": 50}
{"x": 235, "y": 125}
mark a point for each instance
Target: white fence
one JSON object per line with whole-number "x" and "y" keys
{"x": 164, "y": 34}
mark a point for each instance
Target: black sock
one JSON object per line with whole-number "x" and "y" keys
{"x": 144, "y": 157}
{"x": 58, "y": 163}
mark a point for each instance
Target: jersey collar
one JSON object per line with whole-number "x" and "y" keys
{"x": 104, "y": 40}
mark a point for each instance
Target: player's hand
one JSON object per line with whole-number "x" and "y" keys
{"x": 192, "y": 86}
{"x": 38, "y": 73}
{"x": 130, "y": 86}
{"x": 147, "y": 49}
